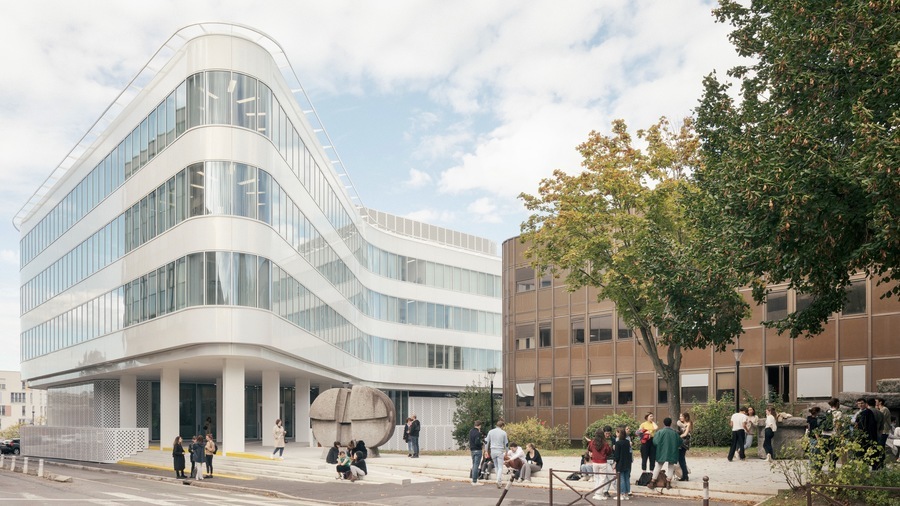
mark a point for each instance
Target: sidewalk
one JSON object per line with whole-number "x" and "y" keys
{"x": 304, "y": 473}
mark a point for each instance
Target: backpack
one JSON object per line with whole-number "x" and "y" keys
{"x": 573, "y": 477}
{"x": 215, "y": 448}
{"x": 644, "y": 479}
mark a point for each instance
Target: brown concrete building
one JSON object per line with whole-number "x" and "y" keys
{"x": 569, "y": 359}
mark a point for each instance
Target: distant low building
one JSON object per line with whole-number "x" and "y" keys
{"x": 18, "y": 403}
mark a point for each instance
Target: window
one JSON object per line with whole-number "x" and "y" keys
{"x": 601, "y": 392}
{"x": 578, "y": 332}
{"x": 525, "y": 337}
{"x": 601, "y": 328}
{"x": 803, "y": 301}
{"x": 17, "y": 397}
{"x": 524, "y": 279}
{"x": 546, "y": 395}
{"x": 814, "y": 383}
{"x": 695, "y": 387}
{"x": 578, "y": 392}
{"x": 546, "y": 280}
{"x": 626, "y": 390}
{"x": 724, "y": 385}
{"x": 856, "y": 298}
{"x": 854, "y": 378}
{"x": 776, "y": 305}
{"x": 625, "y": 332}
{"x": 524, "y": 395}
{"x": 545, "y": 336}
{"x": 662, "y": 391}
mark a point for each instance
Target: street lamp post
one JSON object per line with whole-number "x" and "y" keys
{"x": 491, "y": 372}
{"x": 737, "y": 378}
{"x": 32, "y": 415}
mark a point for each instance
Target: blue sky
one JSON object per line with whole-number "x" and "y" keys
{"x": 442, "y": 111}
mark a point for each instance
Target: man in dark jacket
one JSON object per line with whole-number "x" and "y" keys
{"x": 476, "y": 446}
{"x": 414, "y": 436}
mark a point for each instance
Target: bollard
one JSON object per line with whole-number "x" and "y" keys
{"x": 25, "y": 465}
{"x": 2, "y": 458}
{"x": 40, "y": 473}
{"x": 706, "y": 491}
{"x": 12, "y": 463}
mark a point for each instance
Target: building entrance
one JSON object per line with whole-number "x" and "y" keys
{"x": 197, "y": 402}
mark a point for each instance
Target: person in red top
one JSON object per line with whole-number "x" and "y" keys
{"x": 600, "y": 451}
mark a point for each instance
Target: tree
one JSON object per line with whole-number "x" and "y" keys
{"x": 622, "y": 227}
{"x": 473, "y": 403}
{"x": 803, "y": 173}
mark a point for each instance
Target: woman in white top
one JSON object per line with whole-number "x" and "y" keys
{"x": 771, "y": 427}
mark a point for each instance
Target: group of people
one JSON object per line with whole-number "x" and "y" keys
{"x": 496, "y": 453}
{"x": 350, "y": 462}
{"x": 661, "y": 447}
{"x": 744, "y": 425}
{"x": 411, "y": 436}
{"x": 202, "y": 449}
{"x": 870, "y": 425}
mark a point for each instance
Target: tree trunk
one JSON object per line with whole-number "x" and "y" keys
{"x": 674, "y": 397}
{"x": 669, "y": 370}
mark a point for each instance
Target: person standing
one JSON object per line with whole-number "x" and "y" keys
{"x": 646, "y": 431}
{"x": 685, "y": 427}
{"x": 867, "y": 426}
{"x": 406, "y": 437}
{"x": 752, "y": 427}
{"x": 199, "y": 452}
{"x": 623, "y": 459}
{"x": 769, "y": 432}
{"x": 830, "y": 430}
{"x": 279, "y": 433}
{"x": 178, "y": 457}
{"x": 210, "y": 449}
{"x": 414, "y": 430}
{"x": 600, "y": 451}
{"x": 476, "y": 447}
{"x": 497, "y": 442}
{"x": 885, "y": 428}
{"x": 667, "y": 442}
{"x": 738, "y": 423}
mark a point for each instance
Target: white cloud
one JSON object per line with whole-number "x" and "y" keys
{"x": 417, "y": 179}
{"x": 485, "y": 210}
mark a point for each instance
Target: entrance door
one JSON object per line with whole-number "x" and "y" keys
{"x": 778, "y": 379}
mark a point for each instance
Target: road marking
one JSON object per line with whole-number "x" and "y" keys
{"x": 130, "y": 497}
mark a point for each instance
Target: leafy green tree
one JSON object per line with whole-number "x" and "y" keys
{"x": 622, "y": 227}
{"x": 474, "y": 403}
{"x": 802, "y": 172}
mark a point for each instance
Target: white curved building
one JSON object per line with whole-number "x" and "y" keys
{"x": 199, "y": 255}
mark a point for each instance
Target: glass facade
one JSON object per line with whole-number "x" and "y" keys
{"x": 238, "y": 279}
{"x": 243, "y": 102}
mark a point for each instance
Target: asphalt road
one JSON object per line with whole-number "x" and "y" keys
{"x": 92, "y": 487}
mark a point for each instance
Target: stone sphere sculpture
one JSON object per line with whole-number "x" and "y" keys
{"x": 358, "y": 413}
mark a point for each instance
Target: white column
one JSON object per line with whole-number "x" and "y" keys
{"x": 217, "y": 422}
{"x": 169, "y": 399}
{"x": 232, "y": 422}
{"x": 271, "y": 386}
{"x": 301, "y": 412}
{"x": 128, "y": 401}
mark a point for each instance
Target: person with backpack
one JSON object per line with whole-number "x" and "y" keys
{"x": 210, "y": 449}
{"x": 667, "y": 443}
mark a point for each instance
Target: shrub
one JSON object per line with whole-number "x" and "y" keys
{"x": 613, "y": 420}
{"x": 711, "y": 422}
{"x": 537, "y": 432}
{"x": 473, "y": 403}
{"x": 11, "y": 432}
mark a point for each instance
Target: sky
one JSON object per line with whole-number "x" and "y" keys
{"x": 441, "y": 111}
